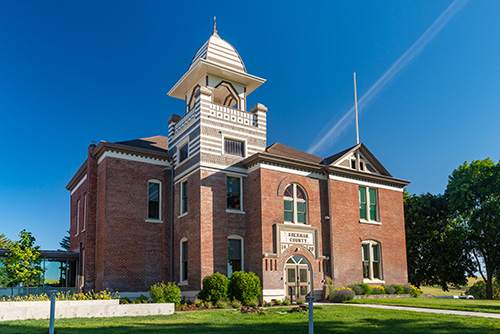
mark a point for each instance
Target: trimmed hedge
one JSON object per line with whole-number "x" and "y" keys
{"x": 244, "y": 287}
{"x": 215, "y": 288}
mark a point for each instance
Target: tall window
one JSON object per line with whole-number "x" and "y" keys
{"x": 234, "y": 192}
{"x": 234, "y": 254}
{"x": 154, "y": 195}
{"x": 372, "y": 264}
{"x": 77, "y": 217}
{"x": 368, "y": 203}
{"x": 183, "y": 152}
{"x": 234, "y": 147}
{"x": 84, "y": 211}
{"x": 184, "y": 197}
{"x": 295, "y": 204}
{"x": 184, "y": 260}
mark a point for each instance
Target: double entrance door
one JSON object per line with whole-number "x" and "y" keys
{"x": 298, "y": 277}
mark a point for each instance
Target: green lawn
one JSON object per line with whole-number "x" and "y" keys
{"x": 328, "y": 319}
{"x": 492, "y": 306}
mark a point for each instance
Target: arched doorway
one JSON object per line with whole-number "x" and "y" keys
{"x": 297, "y": 277}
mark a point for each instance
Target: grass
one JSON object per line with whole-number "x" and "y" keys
{"x": 491, "y": 306}
{"x": 328, "y": 319}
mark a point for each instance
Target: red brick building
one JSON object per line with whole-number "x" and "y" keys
{"x": 213, "y": 197}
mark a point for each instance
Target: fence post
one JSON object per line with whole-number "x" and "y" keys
{"x": 310, "y": 299}
{"x": 52, "y": 310}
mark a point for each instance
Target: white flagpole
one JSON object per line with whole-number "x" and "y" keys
{"x": 356, "y": 108}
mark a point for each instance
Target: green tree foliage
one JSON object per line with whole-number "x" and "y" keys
{"x": 473, "y": 193}
{"x": 64, "y": 243}
{"x": 436, "y": 249}
{"x": 4, "y": 241}
{"x": 214, "y": 288}
{"x": 22, "y": 264}
{"x": 244, "y": 287}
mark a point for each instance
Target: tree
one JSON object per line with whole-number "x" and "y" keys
{"x": 4, "y": 241}
{"x": 64, "y": 243}
{"x": 473, "y": 193}
{"x": 22, "y": 264}
{"x": 436, "y": 251}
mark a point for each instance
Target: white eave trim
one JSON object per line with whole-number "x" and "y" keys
{"x": 79, "y": 184}
{"x": 133, "y": 157}
{"x": 380, "y": 185}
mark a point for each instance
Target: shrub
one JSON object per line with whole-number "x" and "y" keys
{"x": 357, "y": 289}
{"x": 367, "y": 290}
{"x": 267, "y": 304}
{"x": 244, "y": 287}
{"x": 286, "y": 302}
{"x": 207, "y": 304}
{"x": 253, "y": 303}
{"x": 342, "y": 294}
{"x": 399, "y": 289}
{"x": 198, "y": 302}
{"x": 412, "y": 290}
{"x": 235, "y": 303}
{"x": 300, "y": 302}
{"x": 141, "y": 300}
{"x": 276, "y": 302}
{"x": 329, "y": 285}
{"x": 214, "y": 288}
{"x": 125, "y": 300}
{"x": 165, "y": 293}
{"x": 221, "y": 304}
{"x": 378, "y": 290}
{"x": 389, "y": 289}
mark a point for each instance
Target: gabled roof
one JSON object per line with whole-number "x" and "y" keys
{"x": 156, "y": 143}
{"x": 290, "y": 152}
{"x": 334, "y": 159}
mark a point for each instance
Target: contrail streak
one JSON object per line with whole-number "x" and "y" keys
{"x": 330, "y": 137}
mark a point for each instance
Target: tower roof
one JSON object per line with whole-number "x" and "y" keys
{"x": 218, "y": 51}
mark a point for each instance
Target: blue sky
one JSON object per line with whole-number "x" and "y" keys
{"x": 73, "y": 72}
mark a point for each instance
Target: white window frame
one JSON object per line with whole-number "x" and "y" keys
{"x": 84, "y": 211}
{"x": 77, "y": 217}
{"x": 237, "y": 237}
{"x": 243, "y": 140}
{"x": 241, "y": 194}
{"x": 371, "y": 244}
{"x": 153, "y": 220}
{"x": 181, "y": 211}
{"x": 294, "y": 200}
{"x": 368, "y": 220}
{"x": 181, "y": 145}
{"x": 183, "y": 280}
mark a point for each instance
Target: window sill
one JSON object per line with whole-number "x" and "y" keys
{"x": 182, "y": 215}
{"x": 373, "y": 281}
{"x": 83, "y": 231}
{"x": 369, "y": 222}
{"x": 235, "y": 211}
{"x": 150, "y": 220}
{"x": 183, "y": 283}
{"x": 180, "y": 163}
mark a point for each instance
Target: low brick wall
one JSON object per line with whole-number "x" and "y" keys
{"x": 80, "y": 309}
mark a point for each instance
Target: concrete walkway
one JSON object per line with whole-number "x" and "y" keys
{"x": 419, "y": 309}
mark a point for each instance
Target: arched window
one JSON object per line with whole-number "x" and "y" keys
{"x": 295, "y": 204}
{"x": 372, "y": 260}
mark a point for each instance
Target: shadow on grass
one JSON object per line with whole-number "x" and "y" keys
{"x": 327, "y": 321}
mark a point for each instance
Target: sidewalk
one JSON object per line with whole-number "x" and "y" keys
{"x": 419, "y": 309}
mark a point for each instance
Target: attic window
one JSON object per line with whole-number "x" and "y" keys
{"x": 361, "y": 165}
{"x": 353, "y": 164}
{"x": 234, "y": 147}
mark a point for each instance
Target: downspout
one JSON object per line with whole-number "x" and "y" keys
{"x": 172, "y": 215}
{"x": 330, "y": 218}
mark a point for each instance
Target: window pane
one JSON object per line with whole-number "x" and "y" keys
{"x": 303, "y": 290}
{"x": 288, "y": 216}
{"x": 366, "y": 269}
{"x": 376, "y": 270}
{"x": 288, "y": 205}
{"x": 234, "y": 248}
{"x": 300, "y": 193}
{"x": 303, "y": 275}
{"x": 154, "y": 210}
{"x": 233, "y": 193}
{"x": 373, "y": 212}
{"x": 301, "y": 217}
{"x": 366, "y": 254}
{"x": 362, "y": 211}
{"x": 291, "y": 275}
{"x": 184, "y": 189}
{"x": 301, "y": 207}
{"x": 184, "y": 251}
{"x": 376, "y": 252}
{"x": 362, "y": 195}
{"x": 153, "y": 191}
{"x": 373, "y": 195}
{"x": 289, "y": 191}
{"x": 183, "y": 153}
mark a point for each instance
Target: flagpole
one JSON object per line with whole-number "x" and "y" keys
{"x": 356, "y": 109}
